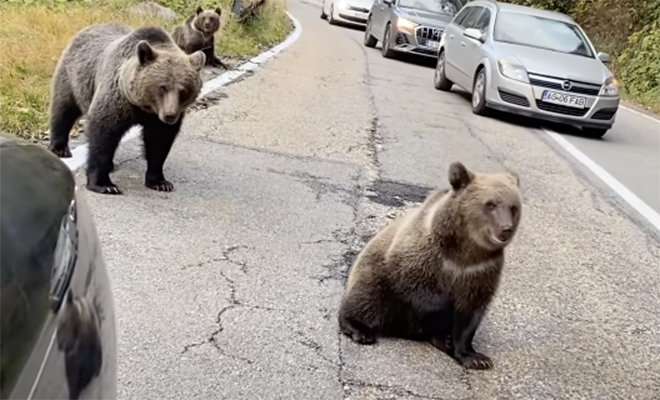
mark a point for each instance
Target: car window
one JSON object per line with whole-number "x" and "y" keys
{"x": 461, "y": 15}
{"x": 540, "y": 32}
{"x": 483, "y": 21}
{"x": 472, "y": 17}
{"x": 447, "y": 7}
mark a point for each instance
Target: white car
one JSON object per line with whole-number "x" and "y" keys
{"x": 352, "y": 12}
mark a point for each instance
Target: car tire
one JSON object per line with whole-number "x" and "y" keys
{"x": 385, "y": 49}
{"x": 331, "y": 16}
{"x": 369, "y": 40}
{"x": 323, "y": 14}
{"x": 440, "y": 81}
{"x": 594, "y": 133}
{"x": 478, "y": 99}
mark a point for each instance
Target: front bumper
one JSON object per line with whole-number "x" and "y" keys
{"x": 526, "y": 99}
{"x": 423, "y": 41}
{"x": 350, "y": 14}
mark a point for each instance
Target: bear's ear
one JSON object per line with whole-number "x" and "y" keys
{"x": 459, "y": 176}
{"x": 197, "y": 60}
{"x": 514, "y": 176}
{"x": 145, "y": 52}
{"x": 199, "y": 10}
{"x": 218, "y": 11}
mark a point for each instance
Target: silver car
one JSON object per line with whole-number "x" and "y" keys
{"x": 349, "y": 12}
{"x": 409, "y": 26}
{"x": 530, "y": 62}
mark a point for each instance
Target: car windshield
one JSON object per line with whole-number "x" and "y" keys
{"x": 449, "y": 7}
{"x": 539, "y": 32}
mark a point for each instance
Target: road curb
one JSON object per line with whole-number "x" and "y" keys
{"x": 79, "y": 154}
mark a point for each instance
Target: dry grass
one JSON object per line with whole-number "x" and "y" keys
{"x": 34, "y": 34}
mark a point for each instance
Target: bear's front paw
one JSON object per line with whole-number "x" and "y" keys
{"x": 62, "y": 152}
{"x": 159, "y": 185}
{"x": 104, "y": 189}
{"x": 475, "y": 361}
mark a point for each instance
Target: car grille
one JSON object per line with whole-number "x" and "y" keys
{"x": 559, "y": 109}
{"x": 428, "y": 33}
{"x": 605, "y": 114}
{"x": 556, "y": 83}
{"x": 513, "y": 98}
{"x": 359, "y": 9}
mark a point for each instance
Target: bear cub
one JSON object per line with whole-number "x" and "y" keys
{"x": 197, "y": 33}
{"x": 118, "y": 77}
{"x": 431, "y": 273}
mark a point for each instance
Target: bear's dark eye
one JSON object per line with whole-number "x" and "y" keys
{"x": 162, "y": 90}
{"x": 183, "y": 95}
{"x": 514, "y": 210}
{"x": 490, "y": 205}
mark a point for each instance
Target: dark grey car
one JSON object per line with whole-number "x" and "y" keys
{"x": 58, "y": 320}
{"x": 409, "y": 26}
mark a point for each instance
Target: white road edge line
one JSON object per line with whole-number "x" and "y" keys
{"x": 635, "y": 202}
{"x": 640, "y": 113}
{"x": 79, "y": 154}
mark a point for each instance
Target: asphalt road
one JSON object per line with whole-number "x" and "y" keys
{"x": 228, "y": 287}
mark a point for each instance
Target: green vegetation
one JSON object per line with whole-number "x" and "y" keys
{"x": 33, "y": 34}
{"x": 629, "y": 31}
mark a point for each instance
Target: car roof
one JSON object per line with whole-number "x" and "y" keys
{"x": 515, "y": 8}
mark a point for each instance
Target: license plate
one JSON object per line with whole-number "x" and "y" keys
{"x": 432, "y": 43}
{"x": 564, "y": 99}
{"x": 359, "y": 15}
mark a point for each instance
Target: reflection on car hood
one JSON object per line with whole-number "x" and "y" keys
{"x": 425, "y": 17}
{"x": 361, "y": 3}
{"x": 556, "y": 64}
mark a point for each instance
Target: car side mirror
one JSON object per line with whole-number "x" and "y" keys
{"x": 388, "y": 2}
{"x": 604, "y": 57}
{"x": 474, "y": 34}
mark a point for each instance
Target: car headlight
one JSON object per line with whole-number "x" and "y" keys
{"x": 64, "y": 257}
{"x": 610, "y": 87}
{"x": 513, "y": 70}
{"x": 405, "y": 25}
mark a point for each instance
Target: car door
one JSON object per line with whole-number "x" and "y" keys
{"x": 471, "y": 49}
{"x": 464, "y": 46}
{"x": 452, "y": 37}
{"x": 377, "y": 18}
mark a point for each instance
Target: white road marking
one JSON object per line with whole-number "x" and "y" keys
{"x": 79, "y": 154}
{"x": 640, "y": 113}
{"x": 629, "y": 197}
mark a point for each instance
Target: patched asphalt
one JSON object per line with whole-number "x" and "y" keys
{"x": 229, "y": 286}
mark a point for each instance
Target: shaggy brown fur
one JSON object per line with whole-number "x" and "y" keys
{"x": 197, "y": 33}
{"x": 119, "y": 77}
{"x": 432, "y": 272}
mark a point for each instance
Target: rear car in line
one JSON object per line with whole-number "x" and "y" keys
{"x": 349, "y": 12}
{"x": 58, "y": 321}
{"x": 529, "y": 62}
{"x": 409, "y": 26}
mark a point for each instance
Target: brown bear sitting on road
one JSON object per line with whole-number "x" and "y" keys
{"x": 119, "y": 77}
{"x": 197, "y": 33}
{"x": 431, "y": 273}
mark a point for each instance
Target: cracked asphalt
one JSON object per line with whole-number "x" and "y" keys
{"x": 229, "y": 286}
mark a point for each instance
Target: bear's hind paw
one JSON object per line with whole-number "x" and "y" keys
{"x": 161, "y": 186}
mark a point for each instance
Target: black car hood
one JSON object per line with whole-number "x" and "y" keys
{"x": 424, "y": 17}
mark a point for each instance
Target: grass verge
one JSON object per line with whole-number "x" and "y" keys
{"x": 33, "y": 34}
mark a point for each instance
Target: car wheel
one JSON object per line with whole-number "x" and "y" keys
{"x": 440, "y": 81}
{"x": 479, "y": 94}
{"x": 323, "y": 14}
{"x": 331, "y": 16}
{"x": 385, "y": 49}
{"x": 369, "y": 40}
{"x": 595, "y": 133}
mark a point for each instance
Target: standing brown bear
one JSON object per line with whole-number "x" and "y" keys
{"x": 119, "y": 77}
{"x": 431, "y": 273}
{"x": 197, "y": 33}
